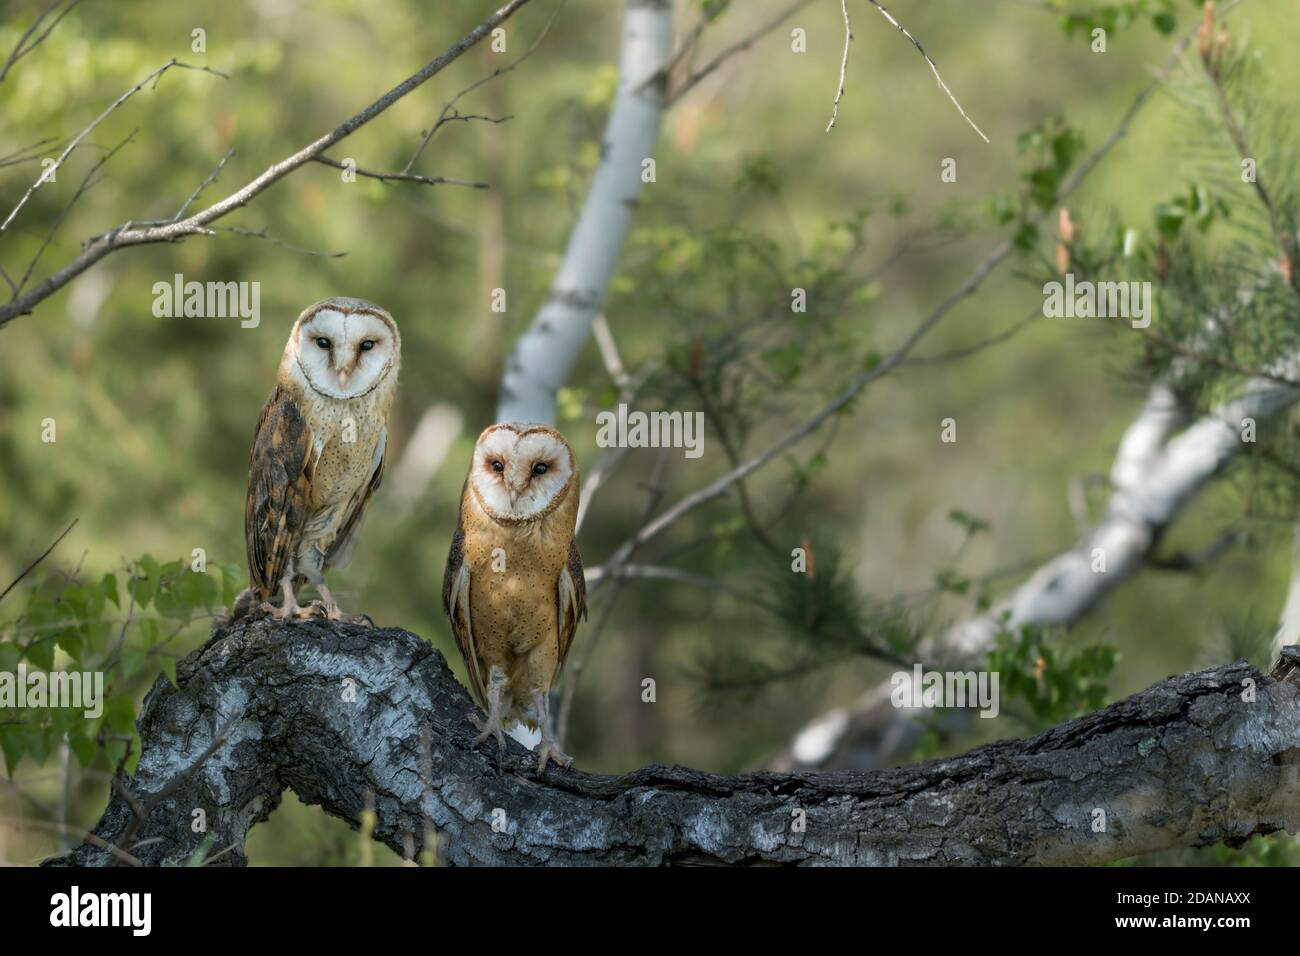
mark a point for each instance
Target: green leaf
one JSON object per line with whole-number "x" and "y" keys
{"x": 1169, "y": 220}
{"x": 143, "y": 588}
{"x": 83, "y": 748}
{"x": 108, "y": 587}
{"x": 14, "y": 740}
{"x": 70, "y": 642}
{"x": 119, "y": 714}
{"x": 41, "y": 653}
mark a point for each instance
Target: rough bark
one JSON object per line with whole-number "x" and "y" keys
{"x": 341, "y": 715}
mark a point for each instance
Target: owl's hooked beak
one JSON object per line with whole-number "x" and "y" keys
{"x": 515, "y": 493}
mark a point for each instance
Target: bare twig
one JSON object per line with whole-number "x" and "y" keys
{"x": 208, "y": 180}
{"x": 449, "y": 113}
{"x": 91, "y": 838}
{"x": 933, "y": 68}
{"x": 654, "y": 493}
{"x": 262, "y": 234}
{"x": 125, "y": 236}
{"x": 844, "y": 65}
{"x": 23, "y": 47}
{"x": 86, "y": 183}
{"x": 49, "y": 171}
{"x": 679, "y": 89}
{"x": 43, "y": 555}
{"x": 402, "y": 177}
{"x": 140, "y": 811}
{"x": 1000, "y": 253}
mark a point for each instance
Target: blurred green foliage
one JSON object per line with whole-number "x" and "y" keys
{"x": 154, "y": 417}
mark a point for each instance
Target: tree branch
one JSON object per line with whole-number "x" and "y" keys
{"x": 342, "y": 715}
{"x": 198, "y": 224}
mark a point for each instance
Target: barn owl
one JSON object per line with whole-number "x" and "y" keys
{"x": 318, "y": 454}
{"x": 513, "y": 587}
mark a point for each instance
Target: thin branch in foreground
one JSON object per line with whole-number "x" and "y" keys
{"x": 43, "y": 555}
{"x": 844, "y": 65}
{"x": 22, "y": 48}
{"x": 197, "y": 224}
{"x": 400, "y": 177}
{"x": 449, "y": 113}
{"x": 262, "y": 234}
{"x": 88, "y": 181}
{"x": 999, "y": 254}
{"x": 27, "y": 154}
{"x": 679, "y": 89}
{"x": 208, "y": 180}
{"x": 47, "y": 173}
{"x": 933, "y": 67}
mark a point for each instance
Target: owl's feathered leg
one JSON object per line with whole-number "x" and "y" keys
{"x": 492, "y": 726}
{"x": 547, "y": 748}
{"x": 288, "y": 606}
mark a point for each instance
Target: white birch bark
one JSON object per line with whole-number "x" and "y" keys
{"x": 544, "y": 355}
{"x": 1155, "y": 478}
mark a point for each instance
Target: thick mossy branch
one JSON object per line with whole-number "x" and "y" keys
{"x": 349, "y": 717}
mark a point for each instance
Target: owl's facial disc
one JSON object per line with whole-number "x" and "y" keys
{"x": 345, "y": 354}
{"x": 519, "y": 474}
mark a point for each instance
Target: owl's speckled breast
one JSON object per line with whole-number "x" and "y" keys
{"x": 514, "y": 570}
{"x": 346, "y": 431}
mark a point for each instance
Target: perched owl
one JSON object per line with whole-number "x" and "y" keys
{"x": 513, "y": 587}
{"x": 318, "y": 454}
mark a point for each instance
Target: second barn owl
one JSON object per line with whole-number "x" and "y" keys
{"x": 513, "y": 587}
{"x": 318, "y": 454}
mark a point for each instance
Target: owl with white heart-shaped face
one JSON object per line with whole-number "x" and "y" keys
{"x": 514, "y": 588}
{"x": 318, "y": 453}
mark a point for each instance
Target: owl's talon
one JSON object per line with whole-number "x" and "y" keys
{"x": 489, "y": 728}
{"x": 283, "y": 613}
{"x": 550, "y": 750}
{"x": 312, "y": 612}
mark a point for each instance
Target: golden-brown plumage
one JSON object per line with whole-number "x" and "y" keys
{"x": 318, "y": 453}
{"x": 514, "y": 588}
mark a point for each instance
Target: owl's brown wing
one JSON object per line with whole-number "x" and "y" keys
{"x": 572, "y": 605}
{"x": 455, "y": 601}
{"x": 280, "y": 470}
{"x": 345, "y": 542}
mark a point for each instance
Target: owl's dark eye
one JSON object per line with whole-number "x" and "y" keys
{"x": 367, "y": 345}
{"x": 323, "y": 342}
{"x": 498, "y": 467}
{"x": 540, "y": 468}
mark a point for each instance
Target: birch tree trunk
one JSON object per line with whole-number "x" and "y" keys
{"x": 544, "y": 355}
